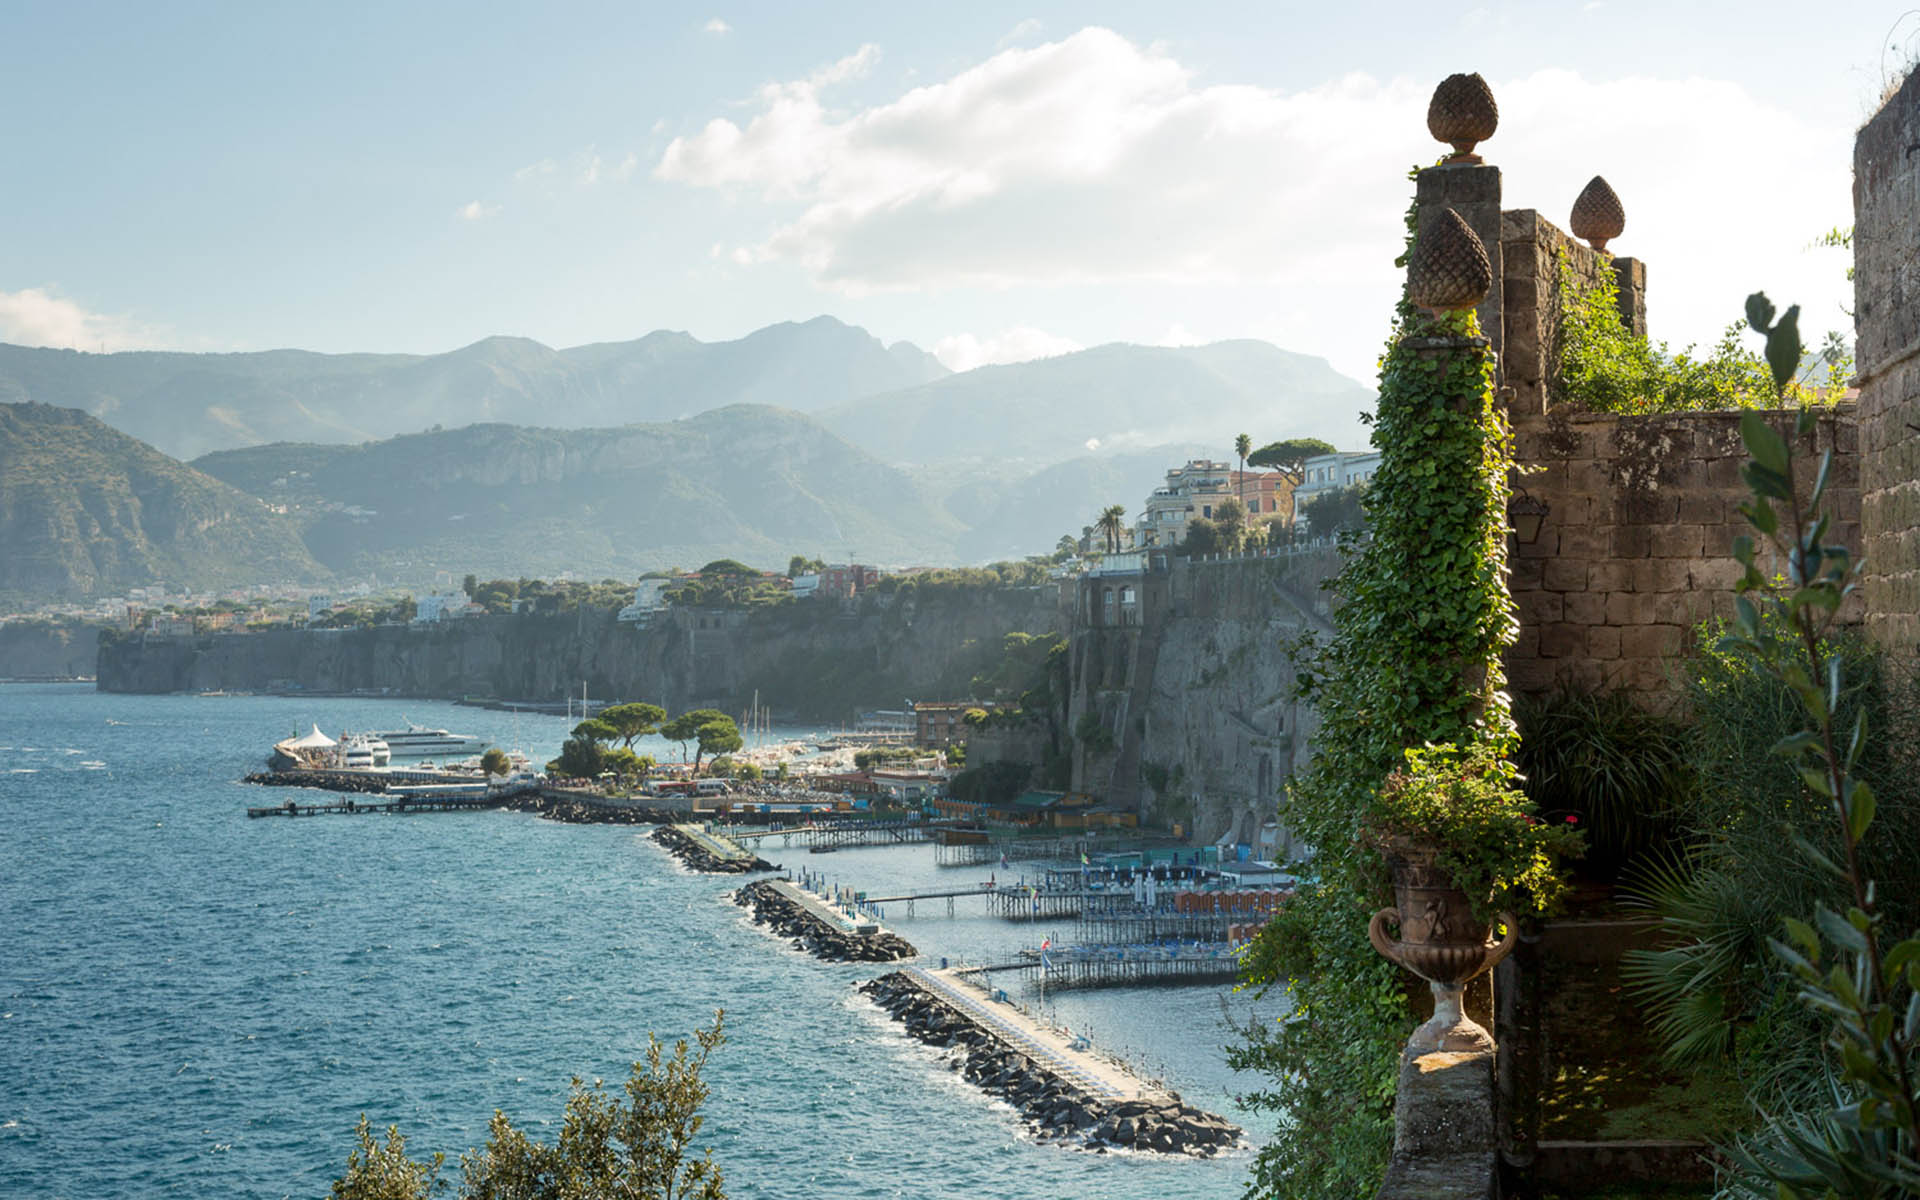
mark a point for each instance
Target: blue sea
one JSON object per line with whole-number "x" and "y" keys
{"x": 197, "y": 1004}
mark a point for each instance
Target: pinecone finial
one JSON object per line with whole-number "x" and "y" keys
{"x": 1462, "y": 113}
{"x": 1449, "y": 269}
{"x": 1598, "y": 216}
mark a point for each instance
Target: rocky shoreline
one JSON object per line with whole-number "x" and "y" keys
{"x": 579, "y": 812}
{"x": 696, "y": 857}
{"x": 1057, "y": 1109}
{"x": 331, "y": 781}
{"x": 780, "y": 914}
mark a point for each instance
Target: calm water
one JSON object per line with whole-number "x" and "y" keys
{"x": 196, "y": 1004}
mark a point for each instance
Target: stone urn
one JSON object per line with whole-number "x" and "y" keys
{"x": 1440, "y": 941}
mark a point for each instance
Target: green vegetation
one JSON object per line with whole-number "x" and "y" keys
{"x": 744, "y": 588}
{"x": 639, "y": 1147}
{"x": 1331, "y": 512}
{"x": 1288, "y": 456}
{"x": 1414, "y": 661}
{"x": 1835, "y": 1018}
{"x": 883, "y": 756}
{"x": 631, "y": 722}
{"x": 993, "y": 784}
{"x": 87, "y": 511}
{"x": 1111, "y": 525}
{"x": 543, "y": 598}
{"x": 495, "y": 761}
{"x": 1622, "y": 772}
{"x": 1604, "y": 368}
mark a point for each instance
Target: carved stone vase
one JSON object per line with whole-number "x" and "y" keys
{"x": 1440, "y": 941}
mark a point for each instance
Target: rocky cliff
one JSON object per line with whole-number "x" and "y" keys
{"x": 1183, "y": 706}
{"x": 815, "y": 661}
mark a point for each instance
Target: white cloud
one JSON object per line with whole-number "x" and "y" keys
{"x": 1179, "y": 335}
{"x": 965, "y": 351}
{"x": 717, "y": 26}
{"x": 39, "y": 317}
{"x": 1095, "y": 161}
{"x": 1028, "y": 28}
{"x": 473, "y": 210}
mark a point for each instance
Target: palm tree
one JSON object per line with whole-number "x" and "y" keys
{"x": 1243, "y": 446}
{"x": 1110, "y": 525}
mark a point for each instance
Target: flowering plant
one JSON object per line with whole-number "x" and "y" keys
{"x": 1464, "y": 804}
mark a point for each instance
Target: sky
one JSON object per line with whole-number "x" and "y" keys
{"x": 990, "y": 181}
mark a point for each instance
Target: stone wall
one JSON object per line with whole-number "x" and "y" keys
{"x": 1886, "y": 287}
{"x": 1638, "y": 546}
{"x": 1530, "y": 250}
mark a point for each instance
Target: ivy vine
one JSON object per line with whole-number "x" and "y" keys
{"x": 1414, "y": 660}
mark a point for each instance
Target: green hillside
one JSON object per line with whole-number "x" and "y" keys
{"x": 86, "y": 510}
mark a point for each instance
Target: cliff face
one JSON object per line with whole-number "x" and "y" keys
{"x": 819, "y": 662}
{"x": 1187, "y": 712}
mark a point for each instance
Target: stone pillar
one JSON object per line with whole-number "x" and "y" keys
{"x": 1443, "y": 1129}
{"x": 1886, "y": 291}
{"x": 1474, "y": 193}
{"x": 1630, "y": 275}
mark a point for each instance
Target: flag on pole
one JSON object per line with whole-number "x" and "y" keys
{"x": 1046, "y": 944}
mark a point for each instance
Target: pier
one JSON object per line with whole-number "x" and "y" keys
{"x": 1094, "y": 966}
{"x": 375, "y": 804}
{"x": 836, "y": 835}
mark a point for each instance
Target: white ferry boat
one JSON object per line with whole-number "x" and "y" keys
{"x": 417, "y": 741}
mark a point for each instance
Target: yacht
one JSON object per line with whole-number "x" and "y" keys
{"x": 417, "y": 741}
{"x": 363, "y": 751}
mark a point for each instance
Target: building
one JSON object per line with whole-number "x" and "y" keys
{"x": 1192, "y": 490}
{"x": 938, "y": 724}
{"x": 438, "y": 607}
{"x": 318, "y": 606}
{"x": 1325, "y": 472}
{"x": 649, "y": 599}
{"x": 165, "y": 625}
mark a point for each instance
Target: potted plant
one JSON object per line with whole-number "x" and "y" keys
{"x": 1465, "y": 850}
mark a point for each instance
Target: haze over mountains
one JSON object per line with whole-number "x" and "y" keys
{"x": 613, "y": 458}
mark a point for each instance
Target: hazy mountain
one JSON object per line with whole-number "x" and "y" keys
{"x": 87, "y": 510}
{"x": 189, "y": 404}
{"x": 1110, "y": 398}
{"x": 1014, "y": 513}
{"x": 747, "y": 482}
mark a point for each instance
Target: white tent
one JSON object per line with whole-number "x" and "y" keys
{"x": 312, "y": 741}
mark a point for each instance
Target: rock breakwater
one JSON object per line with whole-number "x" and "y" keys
{"x": 572, "y": 811}
{"x": 1055, "y": 1107}
{"x": 331, "y": 781}
{"x": 696, "y": 857}
{"x": 781, "y": 914}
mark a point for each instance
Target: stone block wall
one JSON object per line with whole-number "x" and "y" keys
{"x": 1638, "y": 546}
{"x": 1886, "y": 285}
{"x": 1529, "y": 289}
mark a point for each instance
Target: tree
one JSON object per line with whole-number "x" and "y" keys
{"x": 495, "y": 761}
{"x": 1203, "y": 537}
{"x": 1110, "y": 524}
{"x": 469, "y": 585}
{"x": 800, "y": 564}
{"x": 1241, "y": 445}
{"x": 626, "y": 764}
{"x": 727, "y": 566}
{"x": 718, "y": 736}
{"x": 685, "y": 728}
{"x": 595, "y": 729}
{"x": 630, "y": 722}
{"x": 1288, "y": 457}
{"x": 580, "y": 758}
{"x": 1338, "y": 508}
{"x": 639, "y": 1148}
{"x": 1230, "y": 518}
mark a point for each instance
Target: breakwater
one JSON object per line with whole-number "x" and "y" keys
{"x": 1060, "y": 1102}
{"x": 328, "y": 781}
{"x": 697, "y": 857}
{"x": 785, "y": 915}
{"x": 580, "y": 810}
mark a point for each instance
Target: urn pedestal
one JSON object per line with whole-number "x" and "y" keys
{"x": 1441, "y": 942}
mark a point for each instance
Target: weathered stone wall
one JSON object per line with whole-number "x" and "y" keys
{"x": 1638, "y": 546}
{"x": 1530, "y": 298}
{"x": 1886, "y": 288}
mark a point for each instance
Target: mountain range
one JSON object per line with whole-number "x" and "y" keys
{"x": 87, "y": 510}
{"x": 510, "y": 457}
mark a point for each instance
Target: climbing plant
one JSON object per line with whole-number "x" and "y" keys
{"x": 1414, "y": 660}
{"x": 1604, "y": 367}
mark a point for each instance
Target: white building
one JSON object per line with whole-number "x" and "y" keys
{"x": 435, "y": 606}
{"x": 1325, "y": 472}
{"x": 649, "y": 598}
